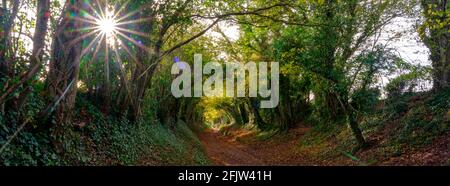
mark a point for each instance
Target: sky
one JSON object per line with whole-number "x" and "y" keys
{"x": 409, "y": 46}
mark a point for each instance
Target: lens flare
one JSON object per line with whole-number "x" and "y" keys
{"x": 111, "y": 25}
{"x": 107, "y": 25}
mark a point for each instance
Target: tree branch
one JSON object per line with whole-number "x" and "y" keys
{"x": 217, "y": 19}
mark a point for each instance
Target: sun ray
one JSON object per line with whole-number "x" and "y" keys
{"x": 126, "y": 16}
{"x": 87, "y": 15}
{"x": 133, "y": 41}
{"x": 94, "y": 55}
{"x": 102, "y": 14}
{"x": 134, "y": 21}
{"x": 94, "y": 22}
{"x": 121, "y": 67}
{"x": 97, "y": 49}
{"x": 132, "y": 32}
{"x": 92, "y": 43}
{"x": 106, "y": 66}
{"x": 84, "y": 36}
{"x": 99, "y": 44}
{"x": 97, "y": 14}
{"x": 84, "y": 29}
{"x": 133, "y": 57}
{"x": 120, "y": 10}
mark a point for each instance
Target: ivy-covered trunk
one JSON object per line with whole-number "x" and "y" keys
{"x": 61, "y": 83}
{"x": 436, "y": 35}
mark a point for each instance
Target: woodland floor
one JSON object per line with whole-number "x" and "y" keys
{"x": 240, "y": 148}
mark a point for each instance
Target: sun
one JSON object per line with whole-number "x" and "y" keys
{"x": 109, "y": 27}
{"x": 106, "y": 24}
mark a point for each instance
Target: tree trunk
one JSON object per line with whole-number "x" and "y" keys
{"x": 140, "y": 80}
{"x": 64, "y": 66}
{"x": 440, "y": 53}
{"x": 41, "y": 28}
{"x": 285, "y": 109}
{"x": 43, "y": 15}
{"x": 243, "y": 113}
{"x": 145, "y": 67}
{"x": 3, "y": 63}
{"x": 356, "y": 131}
{"x": 7, "y": 26}
{"x": 441, "y": 62}
{"x": 36, "y": 63}
{"x": 237, "y": 114}
{"x": 253, "y": 108}
{"x": 438, "y": 42}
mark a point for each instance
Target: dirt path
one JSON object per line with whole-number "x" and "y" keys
{"x": 225, "y": 151}
{"x": 228, "y": 151}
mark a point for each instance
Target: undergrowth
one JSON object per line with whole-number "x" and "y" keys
{"x": 96, "y": 139}
{"x": 408, "y": 122}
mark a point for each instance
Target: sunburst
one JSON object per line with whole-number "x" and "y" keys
{"x": 108, "y": 27}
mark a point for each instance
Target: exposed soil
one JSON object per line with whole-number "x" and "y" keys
{"x": 238, "y": 149}
{"x": 225, "y": 151}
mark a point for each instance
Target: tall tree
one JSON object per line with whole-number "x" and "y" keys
{"x": 41, "y": 28}
{"x": 43, "y": 15}
{"x": 65, "y": 61}
{"x": 325, "y": 36}
{"x": 435, "y": 33}
{"x": 7, "y": 18}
